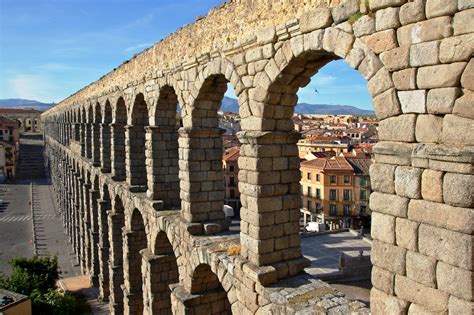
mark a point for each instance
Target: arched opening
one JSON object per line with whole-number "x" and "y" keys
{"x": 118, "y": 140}
{"x": 95, "y": 127}
{"x": 135, "y": 145}
{"x": 104, "y": 244}
{"x": 105, "y": 137}
{"x": 83, "y": 128}
{"x": 336, "y": 153}
{"x": 163, "y": 272}
{"x": 201, "y": 139}
{"x": 88, "y": 129}
{"x": 116, "y": 222}
{"x": 163, "y": 162}
{"x": 135, "y": 241}
{"x": 212, "y": 298}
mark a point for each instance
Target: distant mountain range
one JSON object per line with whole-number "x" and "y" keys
{"x": 23, "y": 103}
{"x": 228, "y": 105}
{"x": 231, "y": 105}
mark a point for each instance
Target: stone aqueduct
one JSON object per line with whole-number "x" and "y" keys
{"x": 141, "y": 197}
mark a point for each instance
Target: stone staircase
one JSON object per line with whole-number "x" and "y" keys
{"x": 31, "y": 159}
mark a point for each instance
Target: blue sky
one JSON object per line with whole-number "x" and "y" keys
{"x": 51, "y": 48}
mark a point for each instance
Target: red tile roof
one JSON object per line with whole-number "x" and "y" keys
{"x": 19, "y": 111}
{"x": 333, "y": 164}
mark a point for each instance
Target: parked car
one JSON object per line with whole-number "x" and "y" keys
{"x": 315, "y": 227}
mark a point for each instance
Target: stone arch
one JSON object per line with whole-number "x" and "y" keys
{"x": 116, "y": 222}
{"x": 135, "y": 241}
{"x": 162, "y": 163}
{"x": 273, "y": 101}
{"x": 135, "y": 144}
{"x": 160, "y": 271}
{"x": 119, "y": 120}
{"x": 202, "y": 137}
{"x": 217, "y": 68}
{"x": 211, "y": 297}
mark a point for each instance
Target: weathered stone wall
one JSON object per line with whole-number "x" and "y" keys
{"x": 417, "y": 58}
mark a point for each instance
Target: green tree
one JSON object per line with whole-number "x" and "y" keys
{"x": 36, "y": 278}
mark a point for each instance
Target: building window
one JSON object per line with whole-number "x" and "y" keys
{"x": 347, "y": 210}
{"x": 363, "y": 181}
{"x": 332, "y": 210}
{"x": 347, "y": 194}
{"x": 333, "y": 194}
{"x": 347, "y": 179}
{"x": 231, "y": 181}
{"x": 318, "y": 177}
{"x": 363, "y": 194}
{"x": 309, "y": 205}
{"x": 231, "y": 168}
{"x": 318, "y": 193}
{"x": 332, "y": 179}
{"x": 309, "y": 192}
{"x": 308, "y": 176}
{"x": 318, "y": 207}
{"x": 232, "y": 194}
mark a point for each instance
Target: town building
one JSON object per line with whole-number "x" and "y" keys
{"x": 28, "y": 119}
{"x": 231, "y": 181}
{"x": 9, "y": 147}
{"x": 327, "y": 187}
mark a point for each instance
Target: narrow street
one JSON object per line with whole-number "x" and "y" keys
{"x": 18, "y": 221}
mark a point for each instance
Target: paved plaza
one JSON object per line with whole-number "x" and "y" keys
{"x": 324, "y": 250}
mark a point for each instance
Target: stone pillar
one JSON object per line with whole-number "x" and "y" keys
{"x": 86, "y": 229}
{"x": 95, "y": 141}
{"x": 118, "y": 151}
{"x": 88, "y": 139}
{"x": 105, "y": 154}
{"x": 162, "y": 165}
{"x": 132, "y": 270}
{"x": 116, "y": 222}
{"x": 135, "y": 158}
{"x": 76, "y": 129}
{"x": 213, "y": 302}
{"x": 103, "y": 248}
{"x": 94, "y": 237}
{"x": 159, "y": 272}
{"x": 201, "y": 178}
{"x": 82, "y": 136}
{"x": 269, "y": 178}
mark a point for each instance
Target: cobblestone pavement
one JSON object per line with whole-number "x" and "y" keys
{"x": 324, "y": 250}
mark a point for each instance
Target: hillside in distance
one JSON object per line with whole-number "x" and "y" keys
{"x": 231, "y": 105}
{"x": 24, "y": 103}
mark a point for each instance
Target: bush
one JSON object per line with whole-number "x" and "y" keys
{"x": 40, "y": 273}
{"x": 36, "y": 277}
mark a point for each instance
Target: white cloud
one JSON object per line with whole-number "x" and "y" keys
{"x": 31, "y": 86}
{"x": 323, "y": 80}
